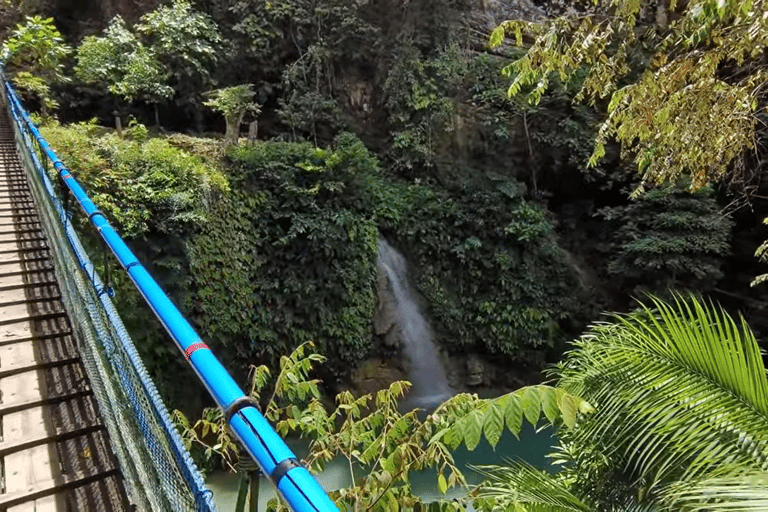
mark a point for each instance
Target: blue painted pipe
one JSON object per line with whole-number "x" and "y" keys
{"x": 298, "y": 488}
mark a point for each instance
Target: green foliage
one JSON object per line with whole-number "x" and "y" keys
{"x": 120, "y": 62}
{"x": 30, "y": 85}
{"x": 488, "y": 263}
{"x": 418, "y": 98}
{"x": 290, "y": 254}
{"x": 171, "y": 52}
{"x": 689, "y": 110}
{"x": 309, "y": 114}
{"x": 143, "y": 185}
{"x": 234, "y": 102}
{"x": 155, "y": 195}
{"x": 669, "y": 237}
{"x": 34, "y": 55}
{"x": 186, "y": 41}
{"x": 37, "y": 46}
{"x": 371, "y": 432}
{"x": 681, "y": 423}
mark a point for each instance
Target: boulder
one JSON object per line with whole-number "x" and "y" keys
{"x": 475, "y": 371}
{"x": 373, "y": 375}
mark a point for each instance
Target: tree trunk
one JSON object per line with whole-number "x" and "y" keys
{"x": 157, "y": 115}
{"x": 232, "y": 131}
{"x": 233, "y": 127}
{"x": 253, "y": 130}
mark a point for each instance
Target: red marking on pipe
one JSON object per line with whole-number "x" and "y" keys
{"x": 193, "y": 348}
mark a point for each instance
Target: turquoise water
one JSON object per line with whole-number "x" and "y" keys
{"x": 532, "y": 447}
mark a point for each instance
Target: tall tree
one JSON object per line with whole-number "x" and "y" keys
{"x": 188, "y": 44}
{"x": 121, "y": 63}
{"x": 681, "y": 423}
{"x": 34, "y": 56}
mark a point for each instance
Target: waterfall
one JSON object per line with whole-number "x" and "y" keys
{"x": 429, "y": 383}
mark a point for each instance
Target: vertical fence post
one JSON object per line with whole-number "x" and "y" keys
{"x": 253, "y": 477}
{"x": 249, "y": 486}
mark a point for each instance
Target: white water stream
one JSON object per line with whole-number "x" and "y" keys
{"x": 430, "y": 385}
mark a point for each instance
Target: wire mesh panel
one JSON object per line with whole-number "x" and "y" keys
{"x": 159, "y": 473}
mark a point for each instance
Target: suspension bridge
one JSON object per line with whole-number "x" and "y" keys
{"x": 82, "y": 427}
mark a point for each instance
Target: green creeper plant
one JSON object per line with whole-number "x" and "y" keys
{"x": 372, "y": 433}
{"x": 234, "y": 102}
{"x": 34, "y": 55}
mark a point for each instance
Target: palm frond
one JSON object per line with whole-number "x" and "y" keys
{"x": 736, "y": 490}
{"x": 520, "y": 486}
{"x": 679, "y": 389}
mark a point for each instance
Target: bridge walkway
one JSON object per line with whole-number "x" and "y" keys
{"x": 55, "y": 452}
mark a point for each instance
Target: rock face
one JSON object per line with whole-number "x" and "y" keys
{"x": 385, "y": 319}
{"x": 373, "y": 375}
{"x": 475, "y": 371}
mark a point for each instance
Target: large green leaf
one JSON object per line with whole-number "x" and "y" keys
{"x": 522, "y": 484}
{"x": 680, "y": 390}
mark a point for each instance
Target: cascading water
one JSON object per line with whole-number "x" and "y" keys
{"x": 430, "y": 386}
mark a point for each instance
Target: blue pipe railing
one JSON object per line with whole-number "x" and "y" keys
{"x": 298, "y": 488}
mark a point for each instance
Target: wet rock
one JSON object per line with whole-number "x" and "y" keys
{"x": 373, "y": 375}
{"x": 385, "y": 318}
{"x": 475, "y": 371}
{"x": 386, "y": 312}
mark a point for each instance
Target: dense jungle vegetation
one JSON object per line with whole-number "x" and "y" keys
{"x": 535, "y": 173}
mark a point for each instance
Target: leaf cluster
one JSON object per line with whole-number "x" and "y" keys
{"x": 143, "y": 185}
{"x": 34, "y": 56}
{"x": 690, "y": 110}
{"x": 682, "y": 414}
{"x": 289, "y": 255}
{"x": 381, "y": 443}
{"x": 233, "y": 101}
{"x": 122, "y": 63}
{"x": 186, "y": 41}
{"x": 170, "y": 52}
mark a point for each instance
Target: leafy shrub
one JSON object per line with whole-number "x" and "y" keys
{"x": 670, "y": 237}
{"x": 142, "y": 184}
{"x": 155, "y": 194}
{"x": 34, "y": 58}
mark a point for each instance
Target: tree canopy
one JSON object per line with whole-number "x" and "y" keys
{"x": 34, "y": 57}
{"x": 682, "y": 86}
{"x": 121, "y": 63}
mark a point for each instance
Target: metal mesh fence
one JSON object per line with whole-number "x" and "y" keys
{"x": 159, "y": 473}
